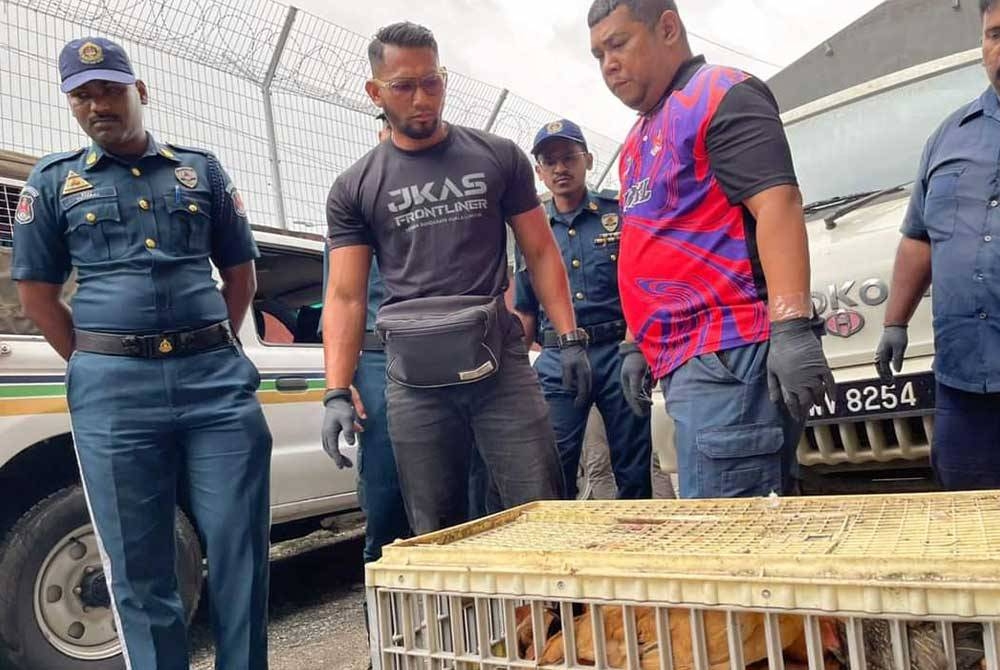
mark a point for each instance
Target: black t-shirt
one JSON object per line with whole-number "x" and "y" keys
{"x": 435, "y": 218}
{"x": 746, "y": 141}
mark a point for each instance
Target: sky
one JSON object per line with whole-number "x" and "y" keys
{"x": 540, "y": 49}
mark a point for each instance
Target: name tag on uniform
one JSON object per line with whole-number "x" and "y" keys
{"x": 69, "y": 201}
{"x": 605, "y": 239}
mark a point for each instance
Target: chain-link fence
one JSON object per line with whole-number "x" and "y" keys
{"x": 277, "y": 93}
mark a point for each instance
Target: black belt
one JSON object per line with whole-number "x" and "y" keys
{"x": 600, "y": 333}
{"x": 372, "y": 342}
{"x": 160, "y": 345}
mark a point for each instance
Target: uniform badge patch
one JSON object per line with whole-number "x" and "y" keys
{"x": 186, "y": 176}
{"x": 75, "y": 183}
{"x": 554, "y": 127}
{"x": 238, "y": 205}
{"x": 91, "y": 54}
{"x": 610, "y": 222}
{"x": 25, "y": 212}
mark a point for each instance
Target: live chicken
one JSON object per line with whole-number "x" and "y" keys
{"x": 681, "y": 647}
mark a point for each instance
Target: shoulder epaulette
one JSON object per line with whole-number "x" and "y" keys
{"x": 51, "y": 159}
{"x": 190, "y": 150}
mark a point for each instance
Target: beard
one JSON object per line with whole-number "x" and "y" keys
{"x": 415, "y": 130}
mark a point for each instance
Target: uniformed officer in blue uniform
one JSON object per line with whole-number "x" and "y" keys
{"x": 587, "y": 227}
{"x": 161, "y": 396}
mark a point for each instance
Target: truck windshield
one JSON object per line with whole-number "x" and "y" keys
{"x": 875, "y": 142}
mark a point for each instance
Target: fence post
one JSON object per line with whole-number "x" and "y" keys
{"x": 272, "y": 136}
{"x": 496, "y": 111}
{"x": 607, "y": 168}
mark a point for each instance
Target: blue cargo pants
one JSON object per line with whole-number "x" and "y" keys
{"x": 732, "y": 441}
{"x": 629, "y": 440}
{"x": 146, "y": 430}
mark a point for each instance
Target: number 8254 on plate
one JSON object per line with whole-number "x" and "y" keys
{"x": 913, "y": 394}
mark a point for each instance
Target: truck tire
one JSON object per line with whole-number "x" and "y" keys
{"x": 54, "y": 604}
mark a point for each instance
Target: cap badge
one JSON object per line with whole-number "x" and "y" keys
{"x": 91, "y": 54}
{"x": 554, "y": 127}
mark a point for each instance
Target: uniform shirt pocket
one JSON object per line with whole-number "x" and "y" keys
{"x": 941, "y": 205}
{"x": 602, "y": 277}
{"x": 190, "y": 222}
{"x": 95, "y": 231}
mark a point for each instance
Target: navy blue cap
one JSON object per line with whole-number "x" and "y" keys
{"x": 563, "y": 128}
{"x": 93, "y": 58}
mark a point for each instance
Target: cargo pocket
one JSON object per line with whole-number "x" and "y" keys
{"x": 739, "y": 461}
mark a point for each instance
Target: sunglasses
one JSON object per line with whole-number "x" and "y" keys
{"x": 406, "y": 87}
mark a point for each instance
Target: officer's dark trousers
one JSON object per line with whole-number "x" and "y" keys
{"x": 143, "y": 430}
{"x": 966, "y": 449}
{"x": 378, "y": 482}
{"x": 629, "y": 440}
{"x": 508, "y": 421}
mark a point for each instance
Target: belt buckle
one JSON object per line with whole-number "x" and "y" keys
{"x": 164, "y": 344}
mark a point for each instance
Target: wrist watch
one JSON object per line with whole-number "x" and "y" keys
{"x": 577, "y": 336}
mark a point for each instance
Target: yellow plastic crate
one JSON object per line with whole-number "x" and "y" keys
{"x": 899, "y": 558}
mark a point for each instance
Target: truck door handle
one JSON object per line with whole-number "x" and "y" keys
{"x": 291, "y": 384}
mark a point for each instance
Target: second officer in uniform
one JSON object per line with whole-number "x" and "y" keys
{"x": 161, "y": 397}
{"x": 587, "y": 228}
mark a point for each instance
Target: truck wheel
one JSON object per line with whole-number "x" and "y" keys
{"x": 55, "y": 609}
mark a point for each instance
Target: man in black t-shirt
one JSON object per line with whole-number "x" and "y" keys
{"x": 433, "y": 203}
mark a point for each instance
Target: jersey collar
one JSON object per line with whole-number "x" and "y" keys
{"x": 680, "y": 80}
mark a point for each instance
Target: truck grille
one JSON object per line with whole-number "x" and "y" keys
{"x": 876, "y": 440}
{"x": 8, "y": 204}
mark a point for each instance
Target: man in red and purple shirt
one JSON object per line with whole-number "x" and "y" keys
{"x": 714, "y": 265}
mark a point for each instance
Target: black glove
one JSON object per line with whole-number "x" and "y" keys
{"x": 338, "y": 417}
{"x": 797, "y": 371}
{"x": 576, "y": 374}
{"x": 635, "y": 379}
{"x": 892, "y": 347}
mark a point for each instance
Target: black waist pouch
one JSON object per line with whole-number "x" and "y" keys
{"x": 443, "y": 340}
